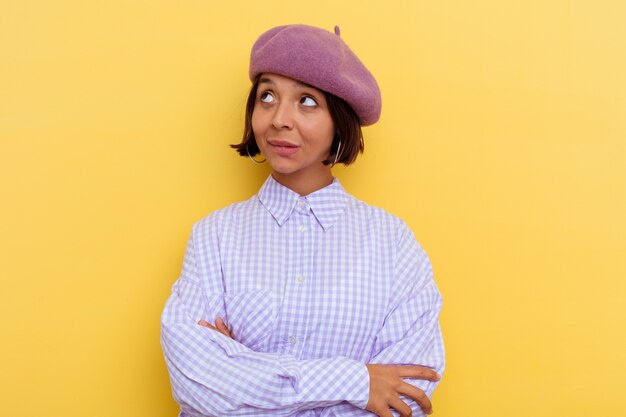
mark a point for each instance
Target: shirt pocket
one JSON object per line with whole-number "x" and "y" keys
{"x": 250, "y": 316}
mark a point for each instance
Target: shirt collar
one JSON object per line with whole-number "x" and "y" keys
{"x": 326, "y": 203}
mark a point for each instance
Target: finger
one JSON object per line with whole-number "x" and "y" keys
{"x": 418, "y": 395}
{"x": 205, "y": 323}
{"x": 418, "y": 372}
{"x": 401, "y": 407}
{"x": 221, "y": 326}
{"x": 383, "y": 413}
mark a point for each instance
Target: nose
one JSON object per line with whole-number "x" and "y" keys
{"x": 283, "y": 116}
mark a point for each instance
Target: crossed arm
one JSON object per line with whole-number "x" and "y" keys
{"x": 386, "y": 382}
{"x": 399, "y": 379}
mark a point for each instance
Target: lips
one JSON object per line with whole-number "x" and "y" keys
{"x": 283, "y": 147}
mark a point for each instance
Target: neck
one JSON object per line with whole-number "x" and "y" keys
{"x": 303, "y": 184}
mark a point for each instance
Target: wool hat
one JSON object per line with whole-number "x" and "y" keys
{"x": 321, "y": 59}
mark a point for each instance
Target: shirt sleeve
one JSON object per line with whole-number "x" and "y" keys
{"x": 411, "y": 334}
{"x": 213, "y": 375}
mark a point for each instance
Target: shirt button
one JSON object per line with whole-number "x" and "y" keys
{"x": 301, "y": 204}
{"x": 300, "y": 279}
{"x": 292, "y": 340}
{"x": 302, "y": 228}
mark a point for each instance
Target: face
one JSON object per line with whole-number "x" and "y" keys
{"x": 293, "y": 128}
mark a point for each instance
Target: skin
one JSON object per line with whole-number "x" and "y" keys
{"x": 294, "y": 131}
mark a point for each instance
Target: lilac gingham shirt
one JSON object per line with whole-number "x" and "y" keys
{"x": 312, "y": 289}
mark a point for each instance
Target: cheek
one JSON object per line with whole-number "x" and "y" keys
{"x": 256, "y": 125}
{"x": 329, "y": 133}
{"x": 260, "y": 117}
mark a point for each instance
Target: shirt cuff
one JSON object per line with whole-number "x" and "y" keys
{"x": 362, "y": 386}
{"x": 333, "y": 381}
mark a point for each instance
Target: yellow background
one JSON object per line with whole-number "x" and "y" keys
{"x": 502, "y": 144}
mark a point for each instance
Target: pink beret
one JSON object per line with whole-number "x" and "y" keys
{"x": 321, "y": 59}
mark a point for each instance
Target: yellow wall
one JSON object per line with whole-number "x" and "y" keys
{"x": 502, "y": 144}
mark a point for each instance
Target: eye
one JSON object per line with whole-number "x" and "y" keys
{"x": 266, "y": 97}
{"x": 308, "y": 101}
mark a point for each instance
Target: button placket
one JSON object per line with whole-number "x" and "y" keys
{"x": 295, "y": 307}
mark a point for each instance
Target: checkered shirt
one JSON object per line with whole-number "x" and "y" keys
{"x": 312, "y": 288}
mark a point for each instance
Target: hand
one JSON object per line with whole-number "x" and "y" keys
{"x": 386, "y": 386}
{"x": 220, "y": 326}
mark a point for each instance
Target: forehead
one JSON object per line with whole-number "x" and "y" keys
{"x": 281, "y": 80}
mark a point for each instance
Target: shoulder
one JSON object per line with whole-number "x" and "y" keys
{"x": 376, "y": 216}
{"x": 222, "y": 218}
{"x": 396, "y": 231}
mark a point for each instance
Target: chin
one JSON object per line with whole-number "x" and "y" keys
{"x": 283, "y": 166}
{"x": 284, "y": 171}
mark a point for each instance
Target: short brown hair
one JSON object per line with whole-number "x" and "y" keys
{"x": 347, "y": 126}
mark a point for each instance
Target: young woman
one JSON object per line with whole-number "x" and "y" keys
{"x": 304, "y": 300}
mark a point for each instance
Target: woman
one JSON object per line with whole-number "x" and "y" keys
{"x": 304, "y": 300}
